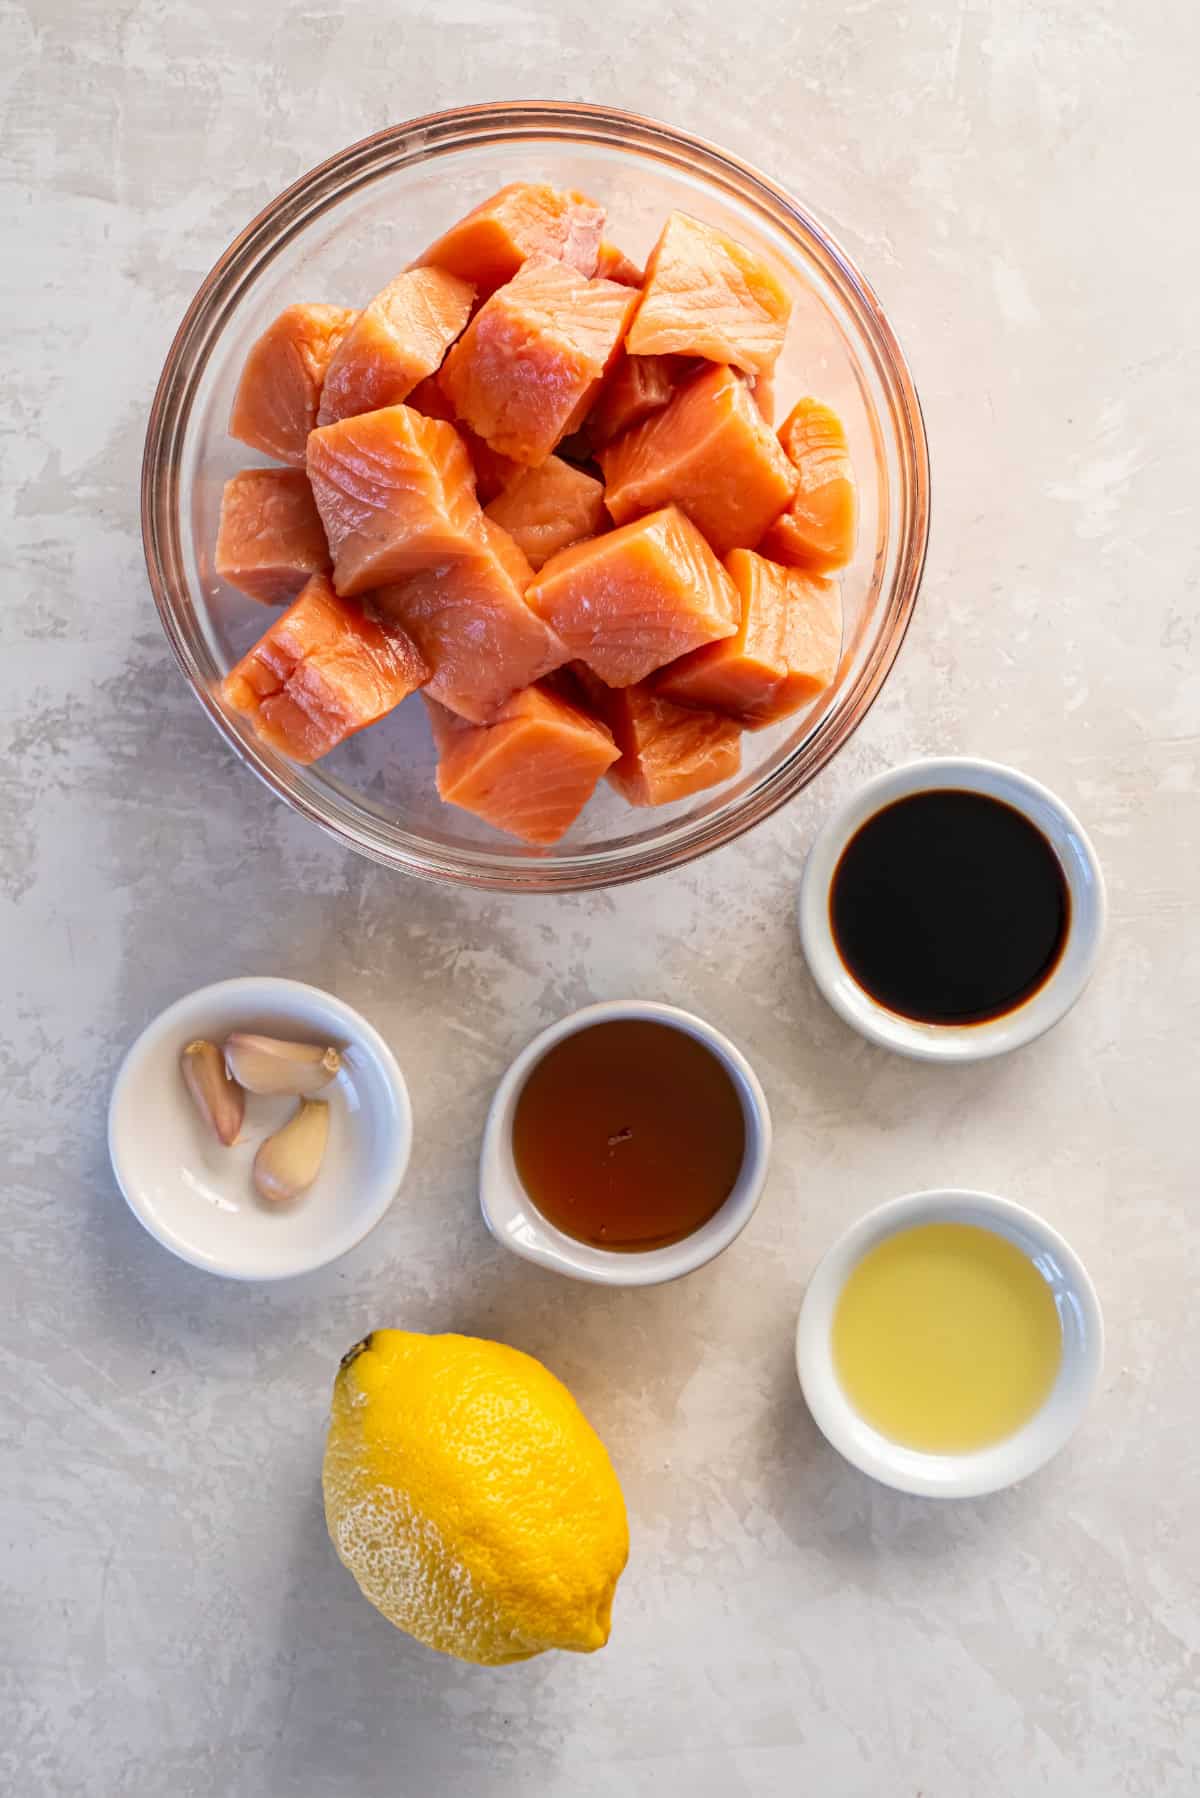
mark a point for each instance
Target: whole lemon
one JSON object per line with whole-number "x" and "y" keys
{"x": 471, "y": 1499}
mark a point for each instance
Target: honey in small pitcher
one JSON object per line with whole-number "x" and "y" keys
{"x": 629, "y": 1134}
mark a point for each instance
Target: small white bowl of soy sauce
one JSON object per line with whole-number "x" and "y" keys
{"x": 952, "y": 909}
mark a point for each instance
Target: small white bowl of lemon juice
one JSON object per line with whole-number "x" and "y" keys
{"x": 949, "y": 1343}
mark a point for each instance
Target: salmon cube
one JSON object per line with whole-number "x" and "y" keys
{"x": 493, "y": 472}
{"x": 613, "y": 264}
{"x": 637, "y": 387}
{"x": 395, "y": 342}
{"x": 707, "y": 295}
{"x": 630, "y": 601}
{"x": 786, "y": 649}
{"x": 270, "y": 539}
{"x": 763, "y": 389}
{"x": 526, "y": 218}
{"x": 819, "y": 527}
{"x": 548, "y": 508}
{"x": 395, "y": 491}
{"x": 276, "y": 403}
{"x": 526, "y": 369}
{"x": 668, "y": 752}
{"x": 577, "y": 450}
{"x": 531, "y": 772}
{"x": 428, "y": 399}
{"x": 321, "y": 672}
{"x": 709, "y": 452}
{"x": 469, "y": 619}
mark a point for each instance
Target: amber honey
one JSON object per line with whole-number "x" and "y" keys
{"x": 629, "y": 1135}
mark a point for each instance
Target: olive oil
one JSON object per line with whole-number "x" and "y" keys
{"x": 629, "y": 1135}
{"x": 946, "y": 1338}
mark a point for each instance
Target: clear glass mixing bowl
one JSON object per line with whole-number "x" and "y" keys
{"x": 338, "y": 235}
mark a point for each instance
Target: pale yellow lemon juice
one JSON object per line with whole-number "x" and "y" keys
{"x": 946, "y": 1338}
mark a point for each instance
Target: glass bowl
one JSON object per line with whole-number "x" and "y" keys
{"x": 338, "y": 235}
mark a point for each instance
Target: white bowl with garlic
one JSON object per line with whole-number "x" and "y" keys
{"x": 259, "y": 1128}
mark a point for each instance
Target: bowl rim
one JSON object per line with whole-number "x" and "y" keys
{"x": 1035, "y": 1015}
{"x": 263, "y": 993}
{"x": 413, "y": 141}
{"x": 514, "y": 1219}
{"x": 976, "y": 1473}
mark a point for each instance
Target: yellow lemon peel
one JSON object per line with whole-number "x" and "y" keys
{"x": 471, "y": 1499}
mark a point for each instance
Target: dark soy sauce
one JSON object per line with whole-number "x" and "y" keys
{"x": 949, "y": 907}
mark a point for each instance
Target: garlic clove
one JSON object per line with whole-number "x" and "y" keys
{"x": 288, "y": 1162}
{"x": 264, "y": 1064}
{"x": 215, "y": 1093}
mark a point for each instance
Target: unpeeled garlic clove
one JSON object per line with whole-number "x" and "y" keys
{"x": 264, "y": 1064}
{"x": 215, "y": 1093}
{"x": 288, "y": 1162}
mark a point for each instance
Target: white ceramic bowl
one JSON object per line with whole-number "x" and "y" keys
{"x": 515, "y": 1221}
{"x": 955, "y": 1042}
{"x": 982, "y": 1470}
{"x": 196, "y": 1197}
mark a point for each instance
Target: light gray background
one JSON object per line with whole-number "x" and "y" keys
{"x": 1019, "y": 181}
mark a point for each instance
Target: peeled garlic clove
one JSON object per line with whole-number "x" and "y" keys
{"x": 288, "y": 1162}
{"x": 216, "y": 1095}
{"x": 263, "y": 1064}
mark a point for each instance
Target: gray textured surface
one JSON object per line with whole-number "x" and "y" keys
{"x": 1019, "y": 182}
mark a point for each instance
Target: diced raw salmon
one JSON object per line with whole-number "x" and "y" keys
{"x": 763, "y": 389}
{"x": 613, "y": 264}
{"x": 531, "y": 772}
{"x": 395, "y": 491}
{"x": 548, "y": 508}
{"x": 707, "y": 295}
{"x": 320, "y": 673}
{"x": 493, "y": 472}
{"x": 709, "y": 452}
{"x": 820, "y": 525}
{"x": 785, "y": 652}
{"x": 637, "y": 387}
{"x": 577, "y": 449}
{"x": 270, "y": 538}
{"x": 276, "y": 403}
{"x": 527, "y": 218}
{"x": 667, "y": 751}
{"x": 469, "y": 619}
{"x": 395, "y": 342}
{"x": 428, "y": 399}
{"x": 507, "y": 551}
{"x": 634, "y": 599}
{"x": 525, "y": 371}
